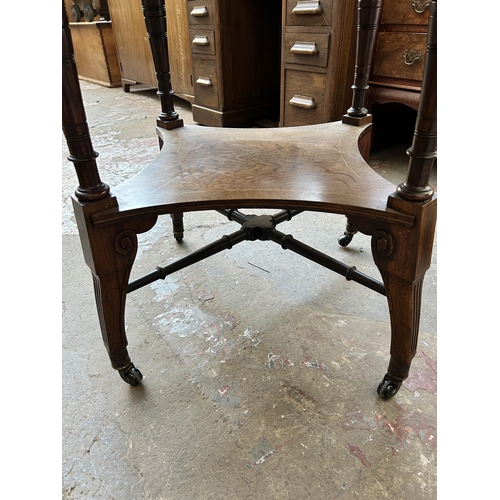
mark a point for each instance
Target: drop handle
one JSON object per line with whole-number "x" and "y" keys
{"x": 410, "y": 57}
{"x": 206, "y": 82}
{"x": 303, "y": 102}
{"x": 419, "y": 7}
{"x": 200, "y": 40}
{"x": 307, "y": 7}
{"x": 305, "y": 48}
{"x": 199, "y": 12}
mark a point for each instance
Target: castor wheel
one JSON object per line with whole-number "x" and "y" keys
{"x": 388, "y": 387}
{"x": 88, "y": 12}
{"x": 131, "y": 375}
{"x": 76, "y": 13}
{"x": 345, "y": 239}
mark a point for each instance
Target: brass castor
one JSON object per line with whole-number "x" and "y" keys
{"x": 345, "y": 239}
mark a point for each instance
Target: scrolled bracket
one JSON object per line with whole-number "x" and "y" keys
{"x": 126, "y": 242}
{"x": 382, "y": 243}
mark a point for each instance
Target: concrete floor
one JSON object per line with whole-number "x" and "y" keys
{"x": 260, "y": 368}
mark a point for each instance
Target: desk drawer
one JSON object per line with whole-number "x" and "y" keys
{"x": 200, "y": 12}
{"x": 307, "y": 48}
{"x": 206, "y": 87}
{"x": 304, "y": 99}
{"x": 308, "y": 12}
{"x": 202, "y": 41}
{"x": 400, "y": 55}
{"x": 406, "y": 12}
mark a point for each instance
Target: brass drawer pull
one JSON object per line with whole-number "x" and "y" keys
{"x": 306, "y": 7}
{"x": 306, "y": 48}
{"x": 303, "y": 102}
{"x": 419, "y": 7}
{"x": 411, "y": 56}
{"x": 201, "y": 40}
{"x": 206, "y": 82}
{"x": 199, "y": 12}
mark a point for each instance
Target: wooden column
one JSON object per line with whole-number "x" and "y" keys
{"x": 423, "y": 150}
{"x": 74, "y": 124}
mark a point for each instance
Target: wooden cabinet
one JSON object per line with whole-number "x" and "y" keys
{"x": 95, "y": 53}
{"x": 179, "y": 54}
{"x": 318, "y": 53}
{"x": 398, "y": 62}
{"x": 134, "y": 52}
{"x": 235, "y": 49}
{"x": 132, "y": 44}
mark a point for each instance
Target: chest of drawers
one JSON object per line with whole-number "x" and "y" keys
{"x": 398, "y": 62}
{"x": 235, "y": 50}
{"x": 318, "y": 51}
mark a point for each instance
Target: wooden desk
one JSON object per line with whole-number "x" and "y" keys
{"x": 235, "y": 49}
{"x": 237, "y": 61}
{"x": 318, "y": 52}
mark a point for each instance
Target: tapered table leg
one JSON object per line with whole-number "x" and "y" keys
{"x": 110, "y": 252}
{"x": 403, "y": 255}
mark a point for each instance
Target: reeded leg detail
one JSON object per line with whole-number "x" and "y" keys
{"x": 404, "y": 300}
{"x": 110, "y": 295}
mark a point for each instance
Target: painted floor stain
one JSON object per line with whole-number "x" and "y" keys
{"x": 275, "y": 361}
{"x": 398, "y": 433}
{"x": 358, "y": 453}
{"x": 249, "y": 336}
{"x": 261, "y": 452}
{"x": 424, "y": 379}
{"x": 226, "y": 396}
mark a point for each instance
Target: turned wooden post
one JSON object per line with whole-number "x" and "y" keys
{"x": 422, "y": 153}
{"x": 369, "y": 12}
{"x": 74, "y": 124}
{"x": 156, "y": 26}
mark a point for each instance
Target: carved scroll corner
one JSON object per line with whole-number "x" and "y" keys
{"x": 382, "y": 243}
{"x": 126, "y": 242}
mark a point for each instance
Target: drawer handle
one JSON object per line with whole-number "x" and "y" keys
{"x": 307, "y": 48}
{"x": 411, "y": 56}
{"x": 303, "y": 102}
{"x": 206, "y": 82}
{"x": 199, "y": 12}
{"x": 419, "y": 7}
{"x": 305, "y": 7}
{"x": 201, "y": 40}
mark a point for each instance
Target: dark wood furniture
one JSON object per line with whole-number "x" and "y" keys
{"x": 235, "y": 49}
{"x": 318, "y": 52}
{"x": 398, "y": 63}
{"x": 290, "y": 169}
